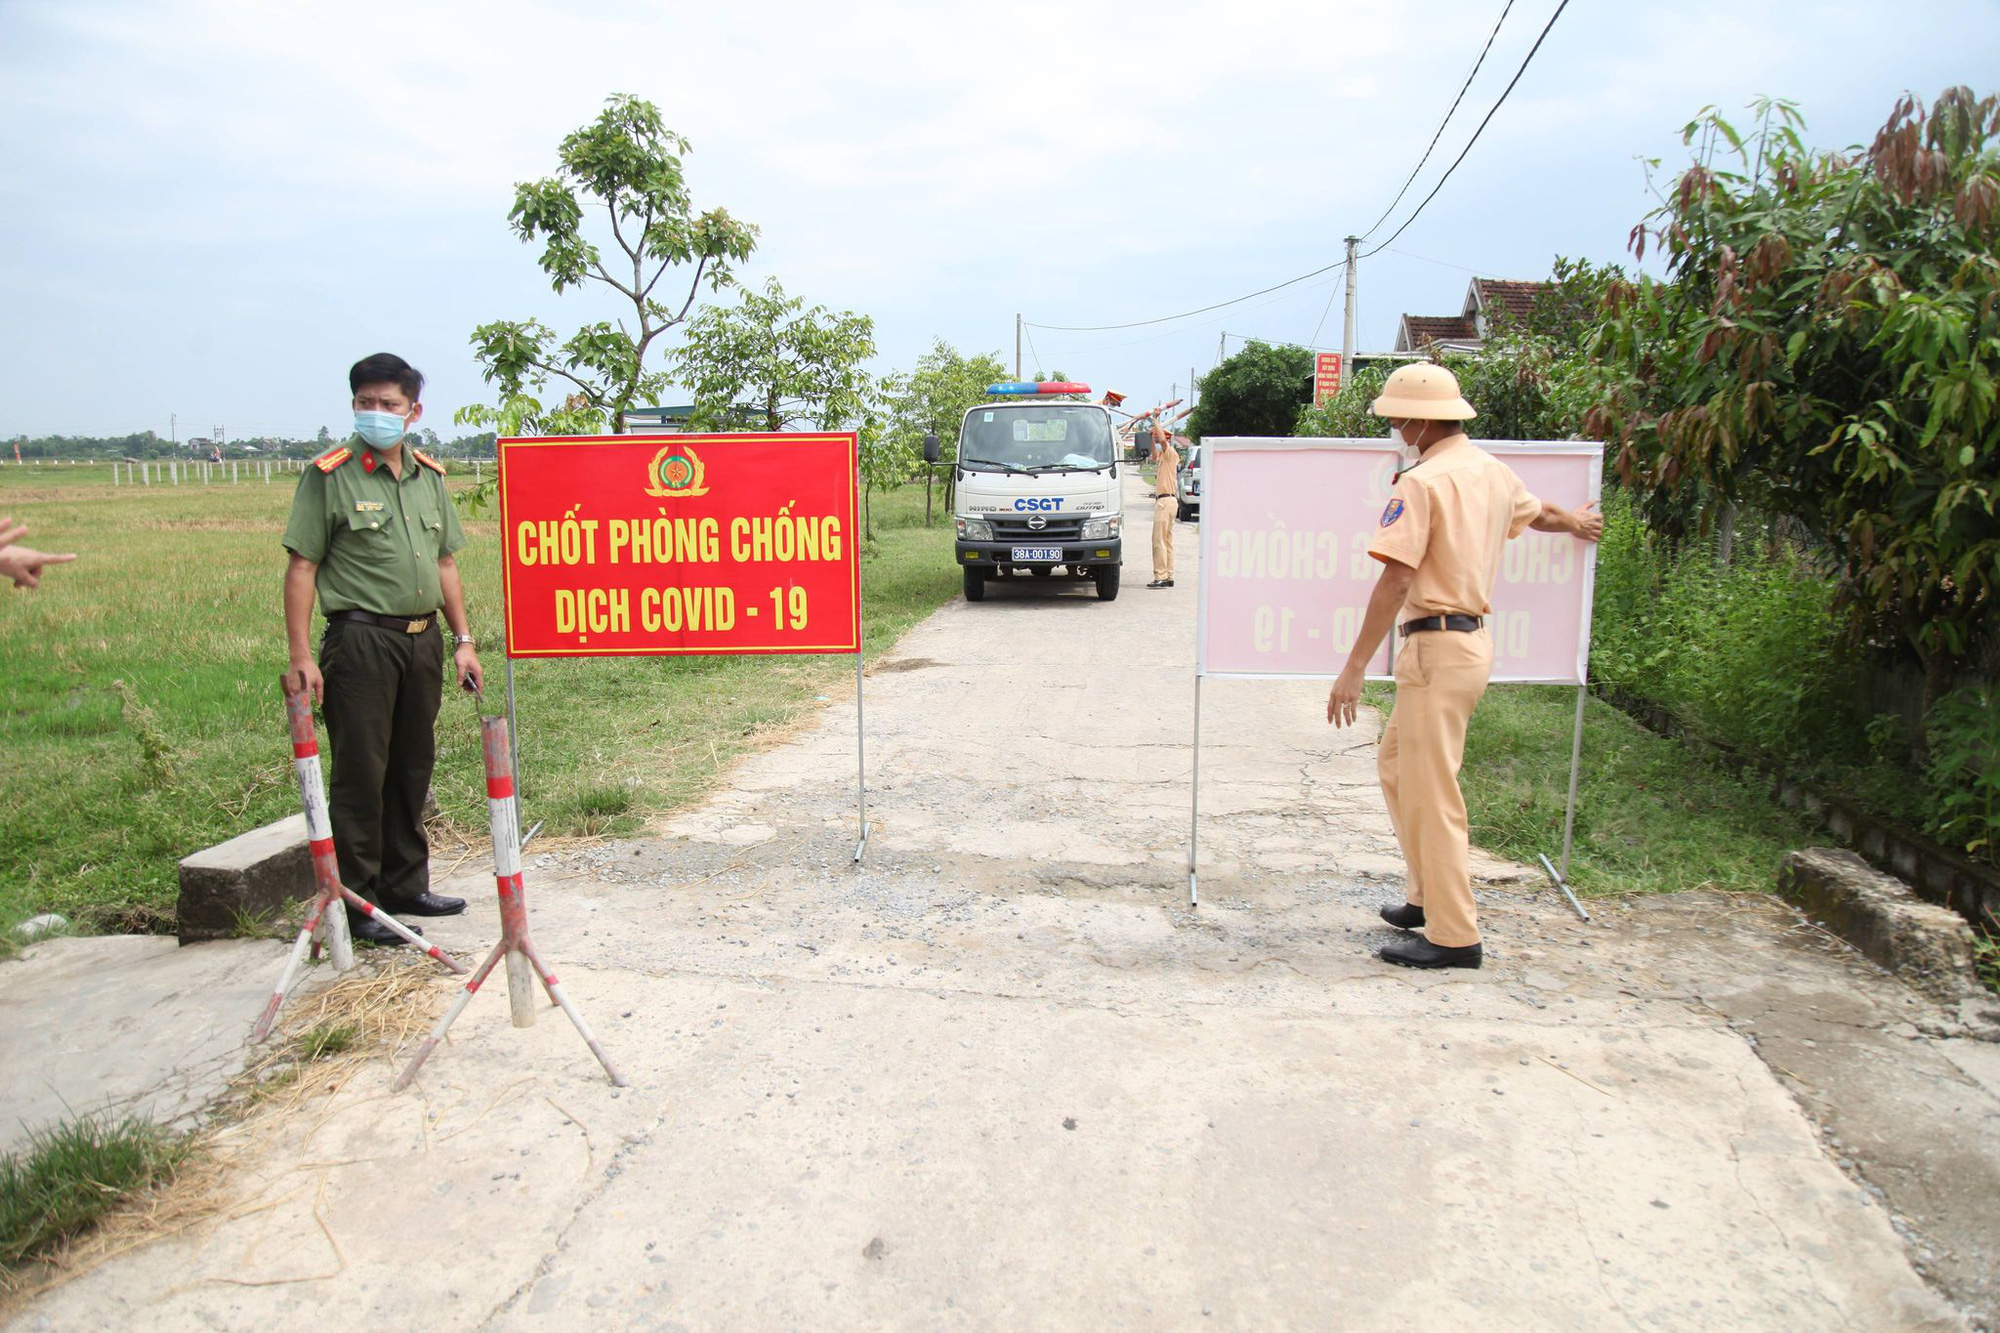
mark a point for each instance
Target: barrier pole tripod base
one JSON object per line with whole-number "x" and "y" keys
{"x": 524, "y": 964}
{"x": 326, "y": 919}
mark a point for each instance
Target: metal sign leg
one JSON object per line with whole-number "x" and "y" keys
{"x": 860, "y": 750}
{"x": 1561, "y": 877}
{"x": 1194, "y": 810}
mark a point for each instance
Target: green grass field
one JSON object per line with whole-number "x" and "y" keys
{"x": 140, "y": 717}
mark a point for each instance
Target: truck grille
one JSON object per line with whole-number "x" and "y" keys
{"x": 1054, "y": 530}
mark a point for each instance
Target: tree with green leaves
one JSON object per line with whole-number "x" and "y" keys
{"x": 1826, "y": 346}
{"x": 932, "y": 399}
{"x": 1257, "y": 391}
{"x": 772, "y": 361}
{"x": 617, "y": 214}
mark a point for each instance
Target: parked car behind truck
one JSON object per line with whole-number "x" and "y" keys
{"x": 1187, "y": 485}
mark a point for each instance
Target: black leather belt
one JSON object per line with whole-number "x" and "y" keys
{"x": 407, "y": 624}
{"x": 1464, "y": 624}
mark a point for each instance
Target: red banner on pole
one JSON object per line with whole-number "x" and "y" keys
{"x": 629, "y": 545}
{"x": 1326, "y": 377}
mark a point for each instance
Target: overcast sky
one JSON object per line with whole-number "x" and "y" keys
{"x": 212, "y": 208}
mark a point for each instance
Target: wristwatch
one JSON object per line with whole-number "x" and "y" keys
{"x": 464, "y": 641}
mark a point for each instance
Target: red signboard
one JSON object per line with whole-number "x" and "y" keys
{"x": 625, "y": 545}
{"x": 1326, "y": 377}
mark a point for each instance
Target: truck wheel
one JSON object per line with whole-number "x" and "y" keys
{"x": 1107, "y": 583}
{"x": 975, "y": 585}
{"x": 1183, "y": 512}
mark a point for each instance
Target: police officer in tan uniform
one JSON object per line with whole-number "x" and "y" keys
{"x": 1439, "y": 542}
{"x": 1165, "y": 506}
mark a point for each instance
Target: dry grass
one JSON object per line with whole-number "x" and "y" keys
{"x": 378, "y": 1010}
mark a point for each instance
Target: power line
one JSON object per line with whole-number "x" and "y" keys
{"x": 1476, "y": 133}
{"x": 1289, "y": 282}
{"x": 1442, "y": 263}
{"x": 1167, "y": 319}
{"x": 1039, "y": 367}
{"x": 1463, "y": 88}
{"x": 1169, "y": 333}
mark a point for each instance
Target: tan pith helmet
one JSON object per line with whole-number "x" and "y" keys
{"x": 1424, "y": 392}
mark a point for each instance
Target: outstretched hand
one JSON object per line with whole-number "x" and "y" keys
{"x": 1587, "y": 525}
{"x": 24, "y": 564}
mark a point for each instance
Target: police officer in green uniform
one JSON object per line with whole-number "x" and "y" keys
{"x": 372, "y": 533}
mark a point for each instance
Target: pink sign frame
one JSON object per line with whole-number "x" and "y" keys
{"x": 1285, "y": 575}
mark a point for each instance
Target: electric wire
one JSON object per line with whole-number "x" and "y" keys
{"x": 1328, "y": 268}
{"x": 1462, "y": 90}
{"x": 1169, "y": 333}
{"x": 1185, "y": 314}
{"x": 1525, "y": 62}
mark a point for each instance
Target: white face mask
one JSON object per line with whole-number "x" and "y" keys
{"x": 1406, "y": 453}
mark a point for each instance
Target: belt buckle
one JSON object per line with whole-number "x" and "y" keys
{"x": 416, "y": 626}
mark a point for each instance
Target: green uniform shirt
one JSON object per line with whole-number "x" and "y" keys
{"x": 376, "y": 540}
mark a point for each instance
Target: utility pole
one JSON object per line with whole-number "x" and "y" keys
{"x": 1017, "y": 346}
{"x": 1347, "y": 333}
{"x": 1221, "y": 348}
{"x": 1190, "y": 386}
{"x": 174, "y": 430}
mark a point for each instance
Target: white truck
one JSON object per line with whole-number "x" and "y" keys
{"x": 1037, "y": 492}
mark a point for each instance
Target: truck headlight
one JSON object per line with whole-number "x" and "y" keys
{"x": 974, "y": 530}
{"x": 1100, "y": 529}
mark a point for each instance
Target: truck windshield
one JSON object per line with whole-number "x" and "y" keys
{"x": 1036, "y": 438}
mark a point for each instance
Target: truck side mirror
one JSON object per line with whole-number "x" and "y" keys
{"x": 931, "y": 450}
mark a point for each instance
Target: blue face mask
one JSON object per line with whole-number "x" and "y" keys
{"x": 380, "y": 429}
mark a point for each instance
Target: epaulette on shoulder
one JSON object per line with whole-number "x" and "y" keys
{"x": 428, "y": 461}
{"x": 327, "y": 462}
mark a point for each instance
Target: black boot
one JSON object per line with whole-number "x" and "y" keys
{"x": 424, "y": 904}
{"x": 1416, "y": 951}
{"x": 370, "y": 931}
{"x": 1404, "y": 916}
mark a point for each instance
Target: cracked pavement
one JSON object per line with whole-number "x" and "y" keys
{"x": 999, "y": 1074}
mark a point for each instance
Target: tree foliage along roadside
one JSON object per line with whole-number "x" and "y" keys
{"x": 932, "y": 399}
{"x": 773, "y": 362}
{"x": 1257, "y": 391}
{"x": 1826, "y": 345}
{"x": 627, "y": 163}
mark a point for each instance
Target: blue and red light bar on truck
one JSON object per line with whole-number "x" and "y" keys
{"x": 1044, "y": 386}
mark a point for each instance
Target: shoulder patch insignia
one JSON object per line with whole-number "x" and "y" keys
{"x": 1391, "y": 512}
{"x": 328, "y": 462}
{"x": 428, "y": 461}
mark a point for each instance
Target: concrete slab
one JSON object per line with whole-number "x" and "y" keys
{"x": 254, "y": 876}
{"x": 125, "y": 1023}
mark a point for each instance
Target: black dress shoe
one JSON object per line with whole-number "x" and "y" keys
{"x": 1161, "y": 583}
{"x": 1417, "y": 951}
{"x": 424, "y": 904}
{"x": 1404, "y": 916}
{"x": 370, "y": 931}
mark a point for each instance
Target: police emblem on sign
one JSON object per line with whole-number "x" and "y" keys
{"x": 676, "y": 473}
{"x": 1391, "y": 512}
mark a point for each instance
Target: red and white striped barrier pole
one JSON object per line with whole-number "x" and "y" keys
{"x": 523, "y": 963}
{"x": 327, "y": 918}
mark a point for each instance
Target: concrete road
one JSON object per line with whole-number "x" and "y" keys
{"x": 999, "y": 1074}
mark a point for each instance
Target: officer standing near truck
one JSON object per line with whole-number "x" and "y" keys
{"x": 1168, "y": 462}
{"x": 372, "y": 533}
{"x": 1439, "y": 543}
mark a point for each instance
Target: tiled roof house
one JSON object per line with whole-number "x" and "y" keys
{"x": 1467, "y": 331}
